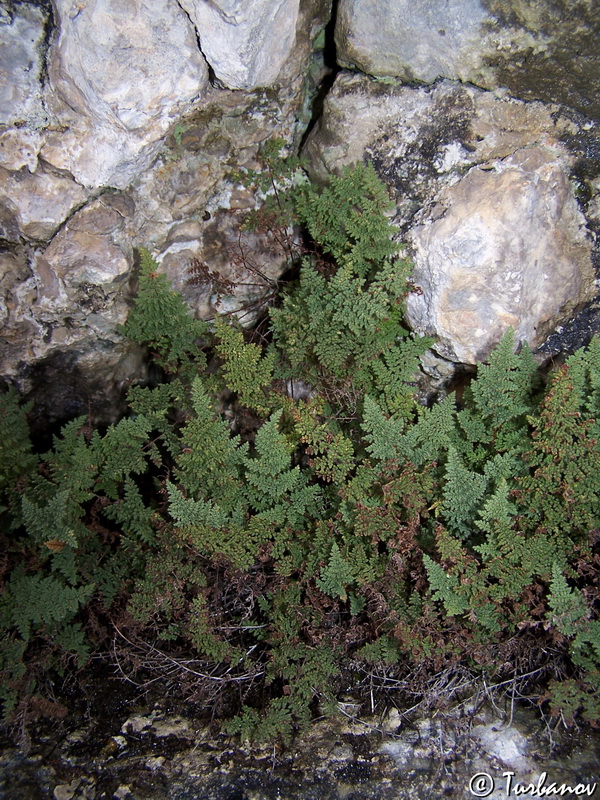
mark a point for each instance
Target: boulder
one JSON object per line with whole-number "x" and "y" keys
{"x": 506, "y": 246}
{"x": 112, "y": 138}
{"x": 62, "y": 307}
{"x": 537, "y": 49}
{"x": 39, "y": 202}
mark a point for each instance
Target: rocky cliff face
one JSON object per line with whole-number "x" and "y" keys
{"x": 121, "y": 124}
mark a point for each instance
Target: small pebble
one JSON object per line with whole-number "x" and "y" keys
{"x": 65, "y": 791}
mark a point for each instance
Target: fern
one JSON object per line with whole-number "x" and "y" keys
{"x": 337, "y": 575}
{"x": 381, "y": 651}
{"x": 34, "y": 602}
{"x": 279, "y": 494}
{"x": 245, "y": 370}
{"x": 434, "y": 432}
{"x": 503, "y": 392}
{"x": 348, "y": 219}
{"x": 16, "y": 456}
{"x": 463, "y": 490}
{"x": 562, "y": 491}
{"x": 331, "y": 452}
{"x": 443, "y": 586}
{"x": 567, "y": 606}
{"x": 160, "y": 319}
{"x": 134, "y": 516}
{"x": 345, "y": 329}
{"x": 211, "y": 461}
{"x": 350, "y": 523}
{"x": 383, "y": 434}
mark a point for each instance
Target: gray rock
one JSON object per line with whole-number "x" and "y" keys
{"x": 504, "y": 247}
{"x": 245, "y": 42}
{"x": 120, "y": 75}
{"x": 19, "y": 147}
{"x": 190, "y": 208}
{"x": 39, "y": 202}
{"x": 420, "y": 40}
{"x": 452, "y": 752}
{"x": 537, "y": 49}
{"x": 21, "y": 61}
{"x": 482, "y": 194}
{"x": 62, "y": 309}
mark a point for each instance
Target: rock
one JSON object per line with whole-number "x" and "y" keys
{"x": 61, "y": 315}
{"x": 120, "y": 75}
{"x": 420, "y": 139}
{"x": 39, "y": 202}
{"x": 19, "y": 147}
{"x": 62, "y": 308}
{"x": 155, "y": 763}
{"x": 537, "y": 49}
{"x": 341, "y": 752}
{"x": 21, "y": 61}
{"x": 508, "y": 745}
{"x": 392, "y": 721}
{"x": 482, "y": 195}
{"x": 83, "y": 268}
{"x": 437, "y": 753}
{"x": 172, "y": 726}
{"x": 129, "y": 105}
{"x": 245, "y": 42}
{"x": 499, "y": 251}
{"x": 190, "y": 206}
{"x": 136, "y": 724}
{"x": 415, "y": 41}
{"x": 65, "y": 791}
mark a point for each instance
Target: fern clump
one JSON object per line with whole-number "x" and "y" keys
{"x": 341, "y": 327}
{"x": 285, "y": 515}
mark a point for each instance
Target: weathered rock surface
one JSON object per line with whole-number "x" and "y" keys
{"x": 120, "y": 75}
{"x": 67, "y": 275}
{"x": 190, "y": 207}
{"x": 159, "y": 754}
{"x": 537, "y": 49}
{"x": 245, "y": 42}
{"x": 504, "y": 247}
{"x": 37, "y": 202}
{"x": 483, "y": 197}
{"x": 61, "y": 312}
{"x": 21, "y": 63}
{"x": 112, "y": 137}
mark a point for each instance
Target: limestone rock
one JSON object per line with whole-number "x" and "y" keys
{"x": 79, "y": 279}
{"x": 21, "y": 42}
{"x": 500, "y": 249}
{"x": 115, "y": 90}
{"x": 62, "y": 308}
{"x": 19, "y": 147}
{"x": 39, "y": 202}
{"x": 245, "y": 41}
{"x": 420, "y": 40}
{"x": 190, "y": 207}
{"x": 537, "y": 49}
{"x": 120, "y": 75}
{"x": 483, "y": 197}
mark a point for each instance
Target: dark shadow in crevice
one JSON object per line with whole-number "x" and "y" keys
{"x": 331, "y": 68}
